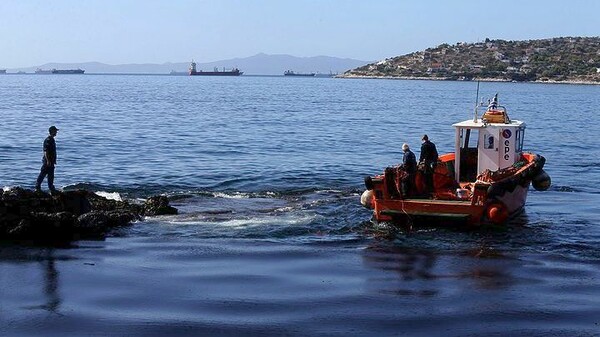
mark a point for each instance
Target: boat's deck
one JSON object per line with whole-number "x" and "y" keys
{"x": 437, "y": 201}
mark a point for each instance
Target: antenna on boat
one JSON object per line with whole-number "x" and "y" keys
{"x": 476, "y": 99}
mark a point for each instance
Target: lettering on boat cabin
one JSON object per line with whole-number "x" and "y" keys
{"x": 509, "y": 152}
{"x": 496, "y": 147}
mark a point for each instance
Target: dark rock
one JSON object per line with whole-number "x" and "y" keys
{"x": 18, "y": 193}
{"x": 43, "y": 226}
{"x": 69, "y": 215}
{"x": 92, "y": 224}
{"x": 76, "y": 202}
{"x": 22, "y": 228}
{"x": 119, "y": 218}
{"x": 158, "y": 205}
{"x": 99, "y": 203}
{"x": 97, "y": 223}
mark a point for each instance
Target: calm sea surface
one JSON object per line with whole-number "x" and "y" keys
{"x": 271, "y": 239}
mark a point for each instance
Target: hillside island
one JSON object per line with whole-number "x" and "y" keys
{"x": 555, "y": 60}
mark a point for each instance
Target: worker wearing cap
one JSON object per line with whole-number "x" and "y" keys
{"x": 409, "y": 164}
{"x": 48, "y": 161}
{"x": 428, "y": 158}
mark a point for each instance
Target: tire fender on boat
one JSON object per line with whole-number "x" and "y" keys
{"x": 369, "y": 183}
{"x": 542, "y": 181}
{"x": 497, "y": 213}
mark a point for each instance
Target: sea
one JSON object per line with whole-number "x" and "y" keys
{"x": 271, "y": 239}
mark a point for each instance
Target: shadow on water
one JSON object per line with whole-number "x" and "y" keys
{"x": 46, "y": 259}
{"x": 426, "y": 261}
{"x": 51, "y": 283}
{"x": 429, "y": 262}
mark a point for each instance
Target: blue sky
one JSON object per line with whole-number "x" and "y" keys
{"x": 33, "y": 32}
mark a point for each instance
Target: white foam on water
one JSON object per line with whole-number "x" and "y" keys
{"x": 284, "y": 209}
{"x": 110, "y": 195}
{"x": 286, "y": 220}
{"x": 234, "y": 195}
{"x": 328, "y": 191}
{"x": 290, "y": 220}
{"x": 241, "y": 195}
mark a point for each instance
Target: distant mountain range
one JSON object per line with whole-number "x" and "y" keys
{"x": 260, "y": 64}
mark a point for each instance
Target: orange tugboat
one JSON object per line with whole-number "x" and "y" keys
{"x": 485, "y": 180}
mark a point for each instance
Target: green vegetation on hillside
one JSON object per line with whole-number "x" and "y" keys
{"x": 557, "y": 59}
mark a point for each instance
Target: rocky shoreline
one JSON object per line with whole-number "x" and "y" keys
{"x": 423, "y": 78}
{"x": 40, "y": 218}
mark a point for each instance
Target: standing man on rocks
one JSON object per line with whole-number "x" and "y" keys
{"x": 429, "y": 158}
{"x": 48, "y": 162}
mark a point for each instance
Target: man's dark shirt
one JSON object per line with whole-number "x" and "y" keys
{"x": 429, "y": 153}
{"x": 409, "y": 161}
{"x": 50, "y": 149}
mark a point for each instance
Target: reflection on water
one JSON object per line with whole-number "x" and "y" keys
{"x": 412, "y": 267}
{"x": 410, "y": 264}
{"x": 425, "y": 272}
{"x": 51, "y": 283}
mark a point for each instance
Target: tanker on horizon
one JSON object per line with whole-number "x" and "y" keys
{"x": 40, "y": 71}
{"x": 292, "y": 73}
{"x": 215, "y": 72}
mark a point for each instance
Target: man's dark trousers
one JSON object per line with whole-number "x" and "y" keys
{"x": 49, "y": 171}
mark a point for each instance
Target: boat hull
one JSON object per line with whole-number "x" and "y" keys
{"x": 300, "y": 75}
{"x": 485, "y": 202}
{"x": 216, "y": 73}
{"x": 67, "y": 71}
{"x": 515, "y": 200}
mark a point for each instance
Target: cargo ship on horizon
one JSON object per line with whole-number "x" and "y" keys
{"x": 292, "y": 73}
{"x": 215, "y": 72}
{"x": 67, "y": 71}
{"x": 40, "y": 71}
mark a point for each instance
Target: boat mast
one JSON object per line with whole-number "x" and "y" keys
{"x": 476, "y": 100}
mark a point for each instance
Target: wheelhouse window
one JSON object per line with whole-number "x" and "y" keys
{"x": 519, "y": 140}
{"x": 468, "y": 138}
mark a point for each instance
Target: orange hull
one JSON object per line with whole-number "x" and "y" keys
{"x": 492, "y": 198}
